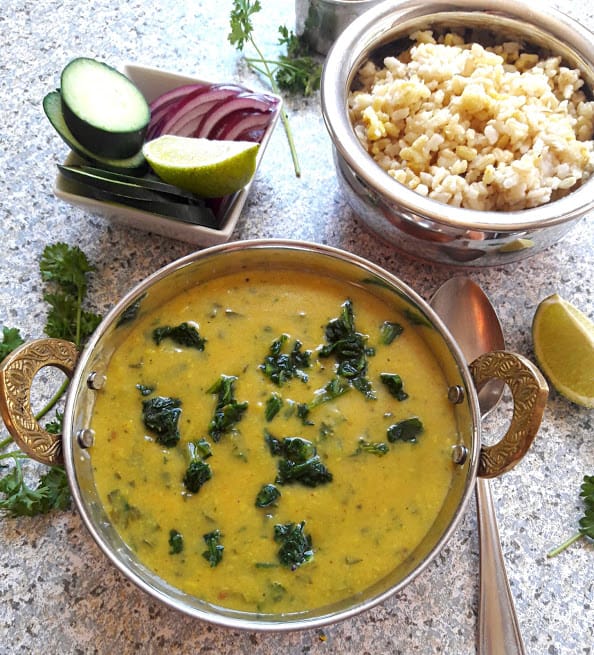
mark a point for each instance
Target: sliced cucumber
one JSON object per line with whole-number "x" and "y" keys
{"x": 137, "y": 187}
{"x": 52, "y": 105}
{"x": 104, "y": 110}
{"x": 196, "y": 214}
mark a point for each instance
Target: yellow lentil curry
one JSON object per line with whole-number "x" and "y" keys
{"x": 304, "y": 448}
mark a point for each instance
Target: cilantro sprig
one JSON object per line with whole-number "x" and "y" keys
{"x": 295, "y": 72}
{"x": 64, "y": 269}
{"x": 20, "y": 499}
{"x": 586, "y": 522}
{"x": 11, "y": 339}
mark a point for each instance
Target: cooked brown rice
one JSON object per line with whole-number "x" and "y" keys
{"x": 484, "y": 128}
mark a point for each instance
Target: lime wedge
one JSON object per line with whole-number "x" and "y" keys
{"x": 563, "y": 339}
{"x": 206, "y": 167}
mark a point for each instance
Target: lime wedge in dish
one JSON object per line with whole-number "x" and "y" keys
{"x": 208, "y": 168}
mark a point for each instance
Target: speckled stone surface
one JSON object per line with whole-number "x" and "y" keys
{"x": 58, "y": 592}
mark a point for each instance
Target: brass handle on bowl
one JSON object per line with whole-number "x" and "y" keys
{"x": 16, "y": 377}
{"x": 529, "y": 391}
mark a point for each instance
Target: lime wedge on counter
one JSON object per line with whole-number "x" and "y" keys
{"x": 206, "y": 167}
{"x": 564, "y": 347}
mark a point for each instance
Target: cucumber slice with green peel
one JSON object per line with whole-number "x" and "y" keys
{"x": 52, "y": 106}
{"x": 104, "y": 110}
{"x": 133, "y": 187}
{"x": 150, "y": 184}
{"x": 195, "y": 214}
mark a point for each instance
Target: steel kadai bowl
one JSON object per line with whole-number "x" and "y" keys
{"x": 417, "y": 224}
{"x": 89, "y": 373}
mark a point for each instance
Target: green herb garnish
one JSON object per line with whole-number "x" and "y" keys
{"x": 200, "y": 449}
{"x": 390, "y": 331}
{"x": 64, "y": 270}
{"x": 349, "y": 348}
{"x": 214, "y": 552}
{"x": 176, "y": 542}
{"x": 293, "y": 72}
{"x": 144, "y": 389}
{"x": 197, "y": 474}
{"x": 586, "y": 522}
{"x": 281, "y": 366}
{"x": 407, "y": 430}
{"x": 122, "y": 512}
{"x": 333, "y": 389}
{"x": 273, "y": 406}
{"x": 52, "y": 492}
{"x": 378, "y": 448}
{"x": 296, "y": 546}
{"x": 394, "y": 385}
{"x": 297, "y": 71}
{"x": 267, "y": 496}
{"x": 300, "y": 463}
{"x": 228, "y": 411}
{"x": 183, "y": 334}
{"x": 161, "y": 415}
{"x": 11, "y": 339}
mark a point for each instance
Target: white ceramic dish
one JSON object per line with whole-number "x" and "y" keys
{"x": 153, "y": 82}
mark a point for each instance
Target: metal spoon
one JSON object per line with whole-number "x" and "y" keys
{"x": 473, "y": 322}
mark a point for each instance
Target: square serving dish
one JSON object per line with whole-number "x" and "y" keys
{"x": 152, "y": 83}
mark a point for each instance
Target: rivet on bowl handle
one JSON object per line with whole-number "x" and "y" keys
{"x": 529, "y": 391}
{"x": 16, "y": 377}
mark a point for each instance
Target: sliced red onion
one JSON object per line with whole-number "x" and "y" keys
{"x": 242, "y": 125}
{"x": 192, "y": 107}
{"x": 165, "y": 99}
{"x": 161, "y": 106}
{"x": 253, "y": 101}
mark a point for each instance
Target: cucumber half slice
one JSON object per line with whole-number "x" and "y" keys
{"x": 52, "y": 106}
{"x": 104, "y": 110}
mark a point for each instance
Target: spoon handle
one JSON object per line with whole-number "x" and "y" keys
{"x": 499, "y": 633}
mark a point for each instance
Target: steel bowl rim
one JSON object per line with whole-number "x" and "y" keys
{"x": 350, "y": 51}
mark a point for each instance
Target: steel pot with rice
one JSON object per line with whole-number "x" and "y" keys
{"x": 463, "y": 133}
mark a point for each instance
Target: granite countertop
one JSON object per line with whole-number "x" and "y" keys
{"x": 59, "y": 593}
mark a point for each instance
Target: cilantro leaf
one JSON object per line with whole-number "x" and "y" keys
{"x": 64, "y": 269}
{"x": 11, "y": 339}
{"x": 57, "y": 490}
{"x": 295, "y": 71}
{"x": 52, "y": 492}
{"x": 241, "y": 21}
{"x": 586, "y": 522}
{"x": 67, "y": 266}
{"x": 55, "y": 425}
